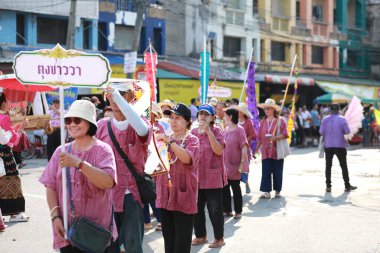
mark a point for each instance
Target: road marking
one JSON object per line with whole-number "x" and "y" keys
{"x": 35, "y": 196}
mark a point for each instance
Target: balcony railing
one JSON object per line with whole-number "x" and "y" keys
{"x": 280, "y": 24}
{"x": 319, "y": 29}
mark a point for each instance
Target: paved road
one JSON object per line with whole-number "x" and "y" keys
{"x": 306, "y": 219}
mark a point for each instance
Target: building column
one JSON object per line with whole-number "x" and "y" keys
{"x": 94, "y": 35}
{"x": 265, "y": 50}
{"x": 328, "y": 16}
{"x": 307, "y": 55}
{"x": 305, "y": 13}
{"x": 341, "y": 15}
{"x": 328, "y": 57}
{"x": 264, "y": 11}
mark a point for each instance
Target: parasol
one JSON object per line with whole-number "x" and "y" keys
{"x": 354, "y": 116}
{"x": 329, "y": 98}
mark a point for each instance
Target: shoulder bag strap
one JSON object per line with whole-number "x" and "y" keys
{"x": 70, "y": 192}
{"x": 121, "y": 152}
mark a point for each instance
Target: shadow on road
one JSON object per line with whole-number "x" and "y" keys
{"x": 329, "y": 199}
{"x": 266, "y": 207}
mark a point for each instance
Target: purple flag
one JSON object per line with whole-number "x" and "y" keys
{"x": 252, "y": 103}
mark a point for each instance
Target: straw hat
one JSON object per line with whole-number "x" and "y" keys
{"x": 121, "y": 84}
{"x": 156, "y": 110}
{"x": 213, "y": 101}
{"x": 166, "y": 102}
{"x": 83, "y": 109}
{"x": 242, "y": 107}
{"x": 269, "y": 103}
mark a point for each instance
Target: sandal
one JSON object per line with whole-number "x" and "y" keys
{"x": 265, "y": 195}
{"x": 228, "y": 214}
{"x": 237, "y": 216}
{"x": 217, "y": 244}
{"x": 159, "y": 227}
{"x": 21, "y": 217}
{"x": 199, "y": 241}
{"x": 277, "y": 195}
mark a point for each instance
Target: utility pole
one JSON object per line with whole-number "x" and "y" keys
{"x": 140, "y": 10}
{"x": 70, "y": 38}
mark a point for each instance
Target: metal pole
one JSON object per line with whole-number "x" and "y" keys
{"x": 204, "y": 96}
{"x": 153, "y": 73}
{"x": 71, "y": 26}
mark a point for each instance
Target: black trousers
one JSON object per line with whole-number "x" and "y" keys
{"x": 341, "y": 153}
{"x": 214, "y": 201}
{"x": 53, "y": 142}
{"x": 177, "y": 230}
{"x": 238, "y": 198}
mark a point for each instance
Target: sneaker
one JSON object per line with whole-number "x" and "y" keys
{"x": 21, "y": 217}
{"x": 328, "y": 189}
{"x": 351, "y": 188}
{"x": 148, "y": 226}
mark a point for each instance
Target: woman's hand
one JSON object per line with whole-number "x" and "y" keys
{"x": 58, "y": 228}
{"x": 24, "y": 123}
{"x": 163, "y": 137}
{"x": 68, "y": 160}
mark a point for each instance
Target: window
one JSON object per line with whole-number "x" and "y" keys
{"x": 51, "y": 31}
{"x": 87, "y": 34}
{"x": 317, "y": 13}
{"x": 255, "y": 7}
{"x": 231, "y": 46}
{"x": 352, "y": 57}
{"x": 20, "y": 27}
{"x": 157, "y": 40}
{"x": 277, "y": 51}
{"x": 317, "y": 55}
{"x": 102, "y": 36}
{"x": 298, "y": 11}
{"x": 123, "y": 37}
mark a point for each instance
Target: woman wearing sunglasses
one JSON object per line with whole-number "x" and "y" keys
{"x": 12, "y": 201}
{"x": 91, "y": 165}
{"x": 211, "y": 177}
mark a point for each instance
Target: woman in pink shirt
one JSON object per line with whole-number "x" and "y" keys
{"x": 177, "y": 197}
{"x": 235, "y": 161}
{"x": 270, "y": 164}
{"x": 211, "y": 177}
{"x": 12, "y": 201}
{"x": 91, "y": 165}
{"x": 245, "y": 121}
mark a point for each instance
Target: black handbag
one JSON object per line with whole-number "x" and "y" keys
{"x": 85, "y": 234}
{"x": 145, "y": 184}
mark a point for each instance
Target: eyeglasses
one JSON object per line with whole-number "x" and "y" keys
{"x": 76, "y": 120}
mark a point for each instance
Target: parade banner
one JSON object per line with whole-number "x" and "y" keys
{"x": 292, "y": 112}
{"x": 60, "y": 67}
{"x": 150, "y": 60}
{"x": 252, "y": 100}
{"x": 70, "y": 95}
{"x": 204, "y": 75}
{"x": 377, "y": 116}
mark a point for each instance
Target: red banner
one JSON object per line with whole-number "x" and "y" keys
{"x": 150, "y": 72}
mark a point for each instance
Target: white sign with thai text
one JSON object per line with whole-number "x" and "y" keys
{"x": 60, "y": 67}
{"x": 130, "y": 62}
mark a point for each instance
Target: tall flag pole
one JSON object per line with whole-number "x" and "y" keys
{"x": 151, "y": 70}
{"x": 286, "y": 90}
{"x": 246, "y": 76}
{"x": 205, "y": 72}
{"x": 292, "y": 112}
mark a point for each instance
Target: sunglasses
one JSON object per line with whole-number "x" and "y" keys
{"x": 76, "y": 120}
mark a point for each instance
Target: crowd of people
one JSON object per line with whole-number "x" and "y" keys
{"x": 210, "y": 150}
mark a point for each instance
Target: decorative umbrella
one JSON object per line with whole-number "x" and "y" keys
{"x": 16, "y": 91}
{"x": 333, "y": 98}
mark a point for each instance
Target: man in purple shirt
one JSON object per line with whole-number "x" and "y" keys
{"x": 333, "y": 129}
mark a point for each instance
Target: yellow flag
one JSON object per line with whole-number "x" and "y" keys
{"x": 377, "y": 116}
{"x": 291, "y": 124}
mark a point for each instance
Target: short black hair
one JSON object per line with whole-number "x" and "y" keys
{"x": 55, "y": 101}
{"x": 92, "y": 130}
{"x": 193, "y": 100}
{"x": 234, "y": 113}
{"x": 3, "y": 98}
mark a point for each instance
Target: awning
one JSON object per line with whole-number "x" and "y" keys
{"x": 284, "y": 80}
{"x": 362, "y": 91}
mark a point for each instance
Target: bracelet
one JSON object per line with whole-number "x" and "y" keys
{"x": 80, "y": 165}
{"x": 53, "y": 209}
{"x": 56, "y": 217}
